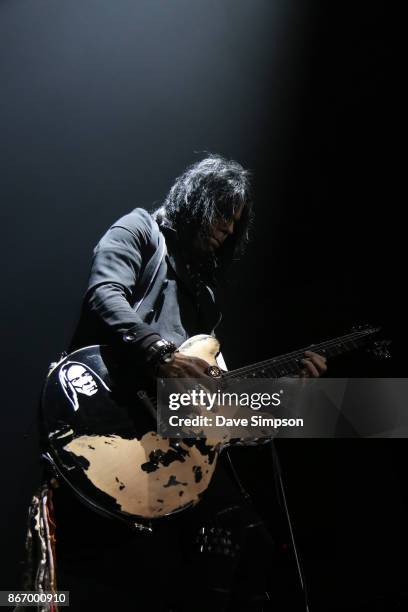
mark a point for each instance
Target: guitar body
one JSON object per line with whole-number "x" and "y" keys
{"x": 102, "y": 438}
{"x": 100, "y": 428}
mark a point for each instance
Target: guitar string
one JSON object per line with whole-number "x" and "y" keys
{"x": 290, "y": 357}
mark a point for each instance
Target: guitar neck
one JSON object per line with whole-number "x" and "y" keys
{"x": 290, "y": 363}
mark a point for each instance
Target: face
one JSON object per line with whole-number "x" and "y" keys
{"x": 81, "y": 380}
{"x": 219, "y": 232}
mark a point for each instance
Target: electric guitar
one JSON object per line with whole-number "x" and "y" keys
{"x": 100, "y": 435}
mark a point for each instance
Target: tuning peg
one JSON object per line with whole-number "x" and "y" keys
{"x": 380, "y": 349}
{"x": 365, "y": 328}
{"x": 361, "y": 327}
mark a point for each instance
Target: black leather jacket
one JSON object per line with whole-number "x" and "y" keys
{"x": 174, "y": 306}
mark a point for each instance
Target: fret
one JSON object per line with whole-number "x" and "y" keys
{"x": 290, "y": 363}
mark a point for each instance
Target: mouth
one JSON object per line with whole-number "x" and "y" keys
{"x": 215, "y": 242}
{"x": 90, "y": 388}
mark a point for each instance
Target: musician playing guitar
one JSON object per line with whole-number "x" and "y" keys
{"x": 152, "y": 287}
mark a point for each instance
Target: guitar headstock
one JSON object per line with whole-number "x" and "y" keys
{"x": 376, "y": 348}
{"x": 380, "y": 350}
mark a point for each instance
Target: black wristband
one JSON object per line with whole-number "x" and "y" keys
{"x": 159, "y": 352}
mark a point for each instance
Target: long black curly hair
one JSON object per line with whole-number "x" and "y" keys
{"x": 210, "y": 190}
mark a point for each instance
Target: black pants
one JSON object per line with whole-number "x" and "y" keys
{"x": 217, "y": 556}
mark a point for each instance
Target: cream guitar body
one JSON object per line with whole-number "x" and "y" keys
{"x": 100, "y": 436}
{"x": 136, "y": 472}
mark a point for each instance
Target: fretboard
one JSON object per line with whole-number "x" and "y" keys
{"x": 290, "y": 363}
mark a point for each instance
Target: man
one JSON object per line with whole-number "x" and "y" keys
{"x": 152, "y": 285}
{"x": 205, "y": 220}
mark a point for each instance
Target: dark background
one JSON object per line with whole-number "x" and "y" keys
{"x": 102, "y": 105}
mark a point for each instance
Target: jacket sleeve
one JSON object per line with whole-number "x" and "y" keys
{"x": 115, "y": 271}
